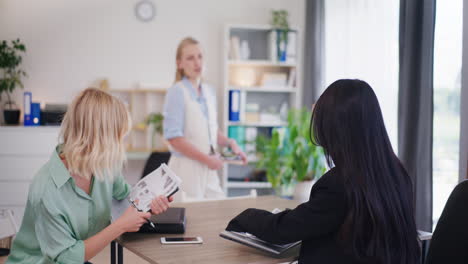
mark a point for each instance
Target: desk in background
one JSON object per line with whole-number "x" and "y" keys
{"x": 205, "y": 219}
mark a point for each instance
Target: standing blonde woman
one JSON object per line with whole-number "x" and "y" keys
{"x": 67, "y": 216}
{"x": 191, "y": 128}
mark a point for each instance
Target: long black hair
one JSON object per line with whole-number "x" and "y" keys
{"x": 379, "y": 226}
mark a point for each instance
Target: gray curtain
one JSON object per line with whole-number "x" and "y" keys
{"x": 313, "y": 52}
{"x": 464, "y": 101}
{"x": 415, "y": 101}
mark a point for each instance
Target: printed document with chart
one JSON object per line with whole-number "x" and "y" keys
{"x": 162, "y": 181}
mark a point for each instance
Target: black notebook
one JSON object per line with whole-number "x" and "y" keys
{"x": 253, "y": 241}
{"x": 170, "y": 222}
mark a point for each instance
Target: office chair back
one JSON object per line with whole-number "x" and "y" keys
{"x": 154, "y": 161}
{"x": 449, "y": 242}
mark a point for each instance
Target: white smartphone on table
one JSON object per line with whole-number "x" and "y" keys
{"x": 181, "y": 240}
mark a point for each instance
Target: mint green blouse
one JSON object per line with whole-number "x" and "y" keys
{"x": 59, "y": 216}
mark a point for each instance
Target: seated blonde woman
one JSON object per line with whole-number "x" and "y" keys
{"x": 67, "y": 217}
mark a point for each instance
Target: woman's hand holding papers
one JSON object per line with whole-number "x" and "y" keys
{"x": 132, "y": 220}
{"x": 160, "y": 204}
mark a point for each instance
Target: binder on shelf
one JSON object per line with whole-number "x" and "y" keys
{"x": 27, "y": 97}
{"x": 238, "y": 134}
{"x": 272, "y": 47}
{"x": 291, "y": 49}
{"x": 234, "y": 105}
{"x": 36, "y": 114}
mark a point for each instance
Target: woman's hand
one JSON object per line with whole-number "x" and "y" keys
{"x": 132, "y": 220}
{"x": 214, "y": 162}
{"x": 160, "y": 204}
{"x": 236, "y": 149}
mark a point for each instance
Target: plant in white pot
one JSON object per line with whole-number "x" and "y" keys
{"x": 305, "y": 161}
{"x": 155, "y": 123}
{"x": 10, "y": 77}
{"x": 271, "y": 159}
{"x": 291, "y": 161}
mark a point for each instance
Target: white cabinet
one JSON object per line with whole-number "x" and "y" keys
{"x": 23, "y": 150}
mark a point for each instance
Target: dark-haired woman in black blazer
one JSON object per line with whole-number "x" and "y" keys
{"x": 361, "y": 210}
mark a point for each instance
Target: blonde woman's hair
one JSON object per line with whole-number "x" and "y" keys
{"x": 92, "y": 133}
{"x": 185, "y": 42}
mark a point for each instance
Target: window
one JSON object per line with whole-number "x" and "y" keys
{"x": 447, "y": 85}
{"x": 361, "y": 41}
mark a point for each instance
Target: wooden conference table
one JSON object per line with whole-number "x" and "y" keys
{"x": 205, "y": 219}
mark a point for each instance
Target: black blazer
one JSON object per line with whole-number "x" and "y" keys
{"x": 316, "y": 223}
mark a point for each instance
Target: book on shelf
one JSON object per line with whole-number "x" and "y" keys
{"x": 292, "y": 78}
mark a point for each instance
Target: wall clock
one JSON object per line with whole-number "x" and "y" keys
{"x": 145, "y": 10}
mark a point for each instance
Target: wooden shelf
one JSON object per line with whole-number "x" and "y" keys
{"x": 235, "y": 184}
{"x": 259, "y": 89}
{"x": 162, "y": 90}
{"x": 261, "y": 63}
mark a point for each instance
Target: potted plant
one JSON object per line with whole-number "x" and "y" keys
{"x": 304, "y": 159}
{"x": 10, "y": 77}
{"x": 280, "y": 23}
{"x": 155, "y": 123}
{"x": 291, "y": 161}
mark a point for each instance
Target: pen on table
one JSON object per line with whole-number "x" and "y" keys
{"x": 149, "y": 222}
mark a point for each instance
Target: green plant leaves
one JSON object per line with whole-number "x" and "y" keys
{"x": 156, "y": 119}
{"x": 290, "y": 157}
{"x": 10, "y": 60}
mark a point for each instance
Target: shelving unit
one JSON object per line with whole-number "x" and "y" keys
{"x": 140, "y": 103}
{"x": 262, "y": 96}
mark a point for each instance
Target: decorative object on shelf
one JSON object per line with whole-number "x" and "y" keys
{"x": 145, "y": 10}
{"x": 244, "y": 50}
{"x": 281, "y": 29}
{"x": 155, "y": 123}
{"x": 234, "y": 48}
{"x": 10, "y": 61}
{"x": 276, "y": 80}
{"x": 104, "y": 85}
{"x": 244, "y": 77}
{"x": 289, "y": 157}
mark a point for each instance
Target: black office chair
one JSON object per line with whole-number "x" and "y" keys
{"x": 449, "y": 242}
{"x": 154, "y": 161}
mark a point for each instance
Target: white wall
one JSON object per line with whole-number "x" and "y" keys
{"x": 71, "y": 44}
